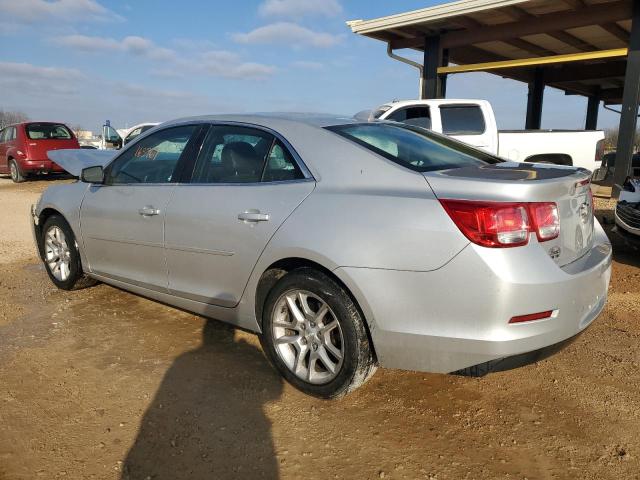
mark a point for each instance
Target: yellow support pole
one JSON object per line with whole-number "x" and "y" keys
{"x": 532, "y": 62}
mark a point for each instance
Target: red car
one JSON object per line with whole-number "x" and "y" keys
{"x": 24, "y": 147}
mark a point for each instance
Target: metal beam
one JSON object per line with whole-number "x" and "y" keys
{"x": 572, "y": 41}
{"x": 535, "y": 61}
{"x": 579, "y": 71}
{"x": 575, "y": 4}
{"x": 617, "y": 31}
{"x": 593, "y": 105}
{"x": 630, "y": 99}
{"x": 534, "y": 101}
{"x": 549, "y": 22}
{"x": 432, "y": 83}
{"x": 468, "y": 22}
{"x": 519, "y": 14}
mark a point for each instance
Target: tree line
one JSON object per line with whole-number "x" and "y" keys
{"x": 8, "y": 117}
{"x": 611, "y": 139}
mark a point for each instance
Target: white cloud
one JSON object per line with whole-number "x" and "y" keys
{"x": 299, "y": 8}
{"x": 139, "y": 46}
{"x": 216, "y": 63}
{"x": 37, "y": 79}
{"x": 288, "y": 33}
{"x": 31, "y": 11}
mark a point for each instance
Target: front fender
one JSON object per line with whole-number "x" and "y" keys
{"x": 65, "y": 200}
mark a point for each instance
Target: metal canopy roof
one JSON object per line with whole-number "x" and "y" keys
{"x": 582, "y": 40}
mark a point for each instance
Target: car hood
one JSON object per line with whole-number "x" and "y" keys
{"x": 74, "y": 161}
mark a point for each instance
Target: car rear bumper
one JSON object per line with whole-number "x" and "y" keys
{"x": 458, "y": 316}
{"x": 40, "y": 166}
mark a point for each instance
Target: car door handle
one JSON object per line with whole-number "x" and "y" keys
{"x": 253, "y": 216}
{"x": 148, "y": 211}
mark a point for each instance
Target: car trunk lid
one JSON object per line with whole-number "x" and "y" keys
{"x": 568, "y": 187}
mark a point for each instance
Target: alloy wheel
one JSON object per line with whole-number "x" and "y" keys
{"x": 57, "y": 253}
{"x": 307, "y": 336}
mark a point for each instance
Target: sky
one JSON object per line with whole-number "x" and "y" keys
{"x": 85, "y": 61}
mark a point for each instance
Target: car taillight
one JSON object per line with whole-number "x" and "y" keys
{"x": 499, "y": 225}
{"x": 545, "y": 220}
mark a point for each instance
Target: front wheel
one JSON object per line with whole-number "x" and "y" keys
{"x": 61, "y": 256}
{"x": 315, "y": 335}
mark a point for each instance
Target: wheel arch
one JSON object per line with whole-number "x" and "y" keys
{"x": 279, "y": 268}
{"x": 43, "y": 216}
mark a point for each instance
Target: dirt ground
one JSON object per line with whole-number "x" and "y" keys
{"x": 102, "y": 384}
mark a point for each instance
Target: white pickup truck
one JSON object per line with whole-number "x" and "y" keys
{"x": 473, "y": 122}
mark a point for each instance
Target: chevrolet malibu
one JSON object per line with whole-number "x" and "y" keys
{"x": 344, "y": 244}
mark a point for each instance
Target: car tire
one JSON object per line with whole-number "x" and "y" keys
{"x": 338, "y": 336}
{"x": 16, "y": 174}
{"x": 60, "y": 255}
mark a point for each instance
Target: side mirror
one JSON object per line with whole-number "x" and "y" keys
{"x": 92, "y": 175}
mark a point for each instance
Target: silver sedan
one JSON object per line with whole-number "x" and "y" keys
{"x": 344, "y": 244}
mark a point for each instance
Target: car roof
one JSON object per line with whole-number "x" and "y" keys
{"x": 273, "y": 120}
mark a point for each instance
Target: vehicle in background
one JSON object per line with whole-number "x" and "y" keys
{"x": 113, "y": 140}
{"x": 137, "y": 130}
{"x": 627, "y": 213}
{"x": 473, "y": 122}
{"x": 603, "y": 176}
{"x": 24, "y": 147}
{"x": 344, "y": 244}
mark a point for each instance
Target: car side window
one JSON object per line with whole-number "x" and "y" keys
{"x": 418, "y": 116}
{"x": 3, "y": 133}
{"x": 11, "y": 134}
{"x": 280, "y": 165}
{"x": 153, "y": 159}
{"x": 232, "y": 154}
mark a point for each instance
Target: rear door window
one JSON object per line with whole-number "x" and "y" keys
{"x": 462, "y": 120}
{"x": 48, "y": 131}
{"x": 232, "y": 154}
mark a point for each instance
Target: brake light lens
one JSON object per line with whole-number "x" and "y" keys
{"x": 501, "y": 225}
{"x": 546, "y": 222}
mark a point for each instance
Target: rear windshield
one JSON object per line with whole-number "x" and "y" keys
{"x": 46, "y": 131}
{"x": 414, "y": 147}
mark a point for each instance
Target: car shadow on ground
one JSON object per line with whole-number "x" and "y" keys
{"x": 207, "y": 419}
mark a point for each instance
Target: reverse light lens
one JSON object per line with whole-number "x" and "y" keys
{"x": 546, "y": 222}
{"x": 499, "y": 225}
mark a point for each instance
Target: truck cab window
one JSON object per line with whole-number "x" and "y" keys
{"x": 462, "y": 120}
{"x": 418, "y": 116}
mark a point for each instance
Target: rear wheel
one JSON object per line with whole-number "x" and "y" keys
{"x": 61, "y": 256}
{"x": 315, "y": 335}
{"x": 14, "y": 169}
